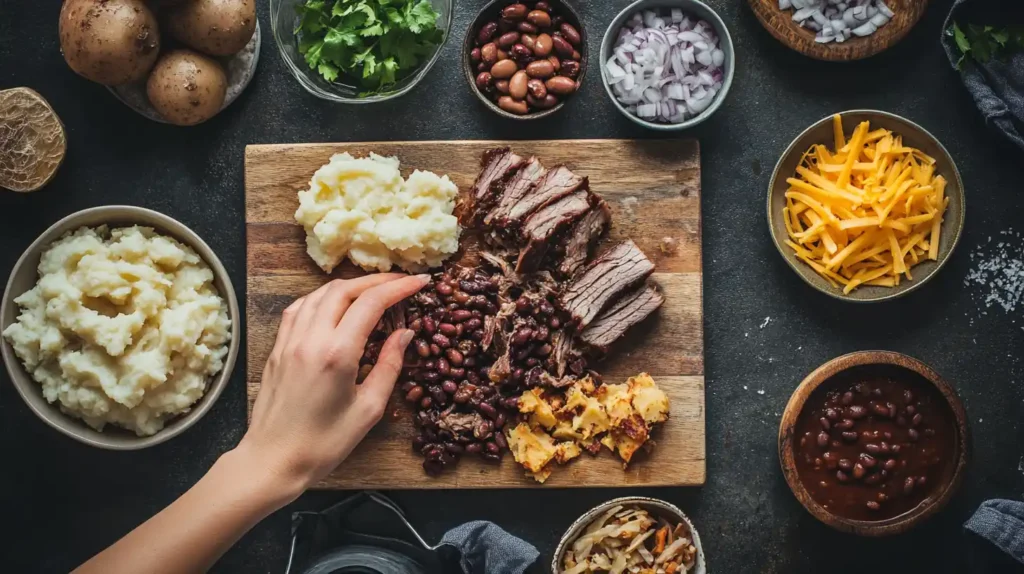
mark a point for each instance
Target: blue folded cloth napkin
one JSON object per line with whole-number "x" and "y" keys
{"x": 997, "y": 85}
{"x": 1001, "y": 522}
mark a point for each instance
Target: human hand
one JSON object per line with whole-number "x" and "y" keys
{"x": 310, "y": 413}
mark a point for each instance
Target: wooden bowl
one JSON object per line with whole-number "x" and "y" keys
{"x": 780, "y": 24}
{"x": 489, "y": 12}
{"x": 892, "y": 364}
{"x": 913, "y": 135}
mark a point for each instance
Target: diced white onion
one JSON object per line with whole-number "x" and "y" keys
{"x": 666, "y": 65}
{"x": 838, "y": 20}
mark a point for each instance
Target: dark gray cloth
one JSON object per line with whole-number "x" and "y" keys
{"x": 368, "y": 534}
{"x": 1001, "y": 522}
{"x": 997, "y": 85}
{"x": 484, "y": 547}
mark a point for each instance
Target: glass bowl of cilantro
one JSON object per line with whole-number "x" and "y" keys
{"x": 360, "y": 51}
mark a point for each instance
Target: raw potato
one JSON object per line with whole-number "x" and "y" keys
{"x": 186, "y": 87}
{"x": 111, "y": 42}
{"x": 32, "y": 141}
{"x": 216, "y": 27}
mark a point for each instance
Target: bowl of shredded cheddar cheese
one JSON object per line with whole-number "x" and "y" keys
{"x": 865, "y": 205}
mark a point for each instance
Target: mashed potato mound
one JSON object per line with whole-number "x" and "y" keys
{"x": 363, "y": 209}
{"x": 124, "y": 327}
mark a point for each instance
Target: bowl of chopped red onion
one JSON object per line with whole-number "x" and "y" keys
{"x": 667, "y": 64}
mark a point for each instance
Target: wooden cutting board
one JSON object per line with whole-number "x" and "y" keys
{"x": 653, "y": 188}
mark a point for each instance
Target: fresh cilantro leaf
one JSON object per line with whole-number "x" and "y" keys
{"x": 421, "y": 17}
{"x": 982, "y": 43}
{"x": 310, "y": 16}
{"x": 961, "y": 39}
{"x": 328, "y": 71}
{"x": 1001, "y": 37}
{"x": 370, "y": 42}
{"x": 375, "y": 30}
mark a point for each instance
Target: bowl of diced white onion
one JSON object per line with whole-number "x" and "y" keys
{"x": 667, "y": 64}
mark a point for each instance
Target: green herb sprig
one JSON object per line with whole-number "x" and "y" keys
{"x": 372, "y": 42}
{"x": 983, "y": 43}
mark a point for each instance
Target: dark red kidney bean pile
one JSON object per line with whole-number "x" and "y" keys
{"x": 874, "y": 449}
{"x": 446, "y": 375}
{"x": 528, "y": 59}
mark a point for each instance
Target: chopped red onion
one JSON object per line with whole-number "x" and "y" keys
{"x": 666, "y": 65}
{"x": 838, "y": 20}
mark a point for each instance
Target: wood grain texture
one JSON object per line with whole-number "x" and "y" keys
{"x": 653, "y": 188}
{"x": 780, "y": 24}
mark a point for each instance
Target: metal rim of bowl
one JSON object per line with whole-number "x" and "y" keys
{"x": 831, "y": 292}
{"x": 729, "y": 64}
{"x": 572, "y": 533}
{"x": 215, "y": 386}
{"x": 467, "y": 66}
{"x": 914, "y": 516}
{"x": 300, "y": 74}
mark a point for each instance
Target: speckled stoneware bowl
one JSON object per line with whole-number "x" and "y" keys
{"x": 913, "y": 135}
{"x": 239, "y": 68}
{"x": 690, "y": 7}
{"x": 25, "y": 275}
{"x": 656, "y": 507}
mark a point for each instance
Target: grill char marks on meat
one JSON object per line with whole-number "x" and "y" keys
{"x": 516, "y": 188}
{"x": 498, "y": 166}
{"x": 612, "y": 324}
{"x": 541, "y": 228}
{"x": 557, "y": 183}
{"x": 582, "y": 237}
{"x": 611, "y": 274}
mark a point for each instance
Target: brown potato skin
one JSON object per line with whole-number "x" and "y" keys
{"x": 187, "y": 88}
{"x": 216, "y": 27}
{"x": 111, "y": 42}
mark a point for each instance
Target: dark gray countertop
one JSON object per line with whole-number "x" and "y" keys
{"x": 60, "y": 501}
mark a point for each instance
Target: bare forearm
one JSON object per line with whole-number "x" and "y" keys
{"x": 193, "y": 532}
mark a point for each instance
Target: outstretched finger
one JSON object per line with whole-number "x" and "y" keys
{"x": 288, "y": 322}
{"x": 307, "y": 314}
{"x": 341, "y": 293}
{"x": 368, "y": 308}
{"x": 376, "y": 389}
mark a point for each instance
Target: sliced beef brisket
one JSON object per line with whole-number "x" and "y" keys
{"x": 611, "y": 274}
{"x": 540, "y": 229}
{"x": 516, "y": 188}
{"x": 582, "y": 237}
{"x": 612, "y": 324}
{"x": 557, "y": 183}
{"x": 498, "y": 166}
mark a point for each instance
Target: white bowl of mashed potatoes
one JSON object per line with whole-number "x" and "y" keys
{"x": 120, "y": 327}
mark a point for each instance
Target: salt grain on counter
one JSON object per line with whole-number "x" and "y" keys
{"x": 997, "y": 273}
{"x": 766, "y": 321}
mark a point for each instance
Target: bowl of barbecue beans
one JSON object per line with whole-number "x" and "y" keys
{"x": 525, "y": 59}
{"x": 873, "y": 443}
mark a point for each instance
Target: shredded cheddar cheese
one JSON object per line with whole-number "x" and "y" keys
{"x": 866, "y": 211}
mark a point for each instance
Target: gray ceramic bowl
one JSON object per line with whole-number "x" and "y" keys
{"x": 25, "y": 275}
{"x": 656, "y": 507}
{"x": 490, "y": 13}
{"x": 691, "y": 7}
{"x": 913, "y": 135}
